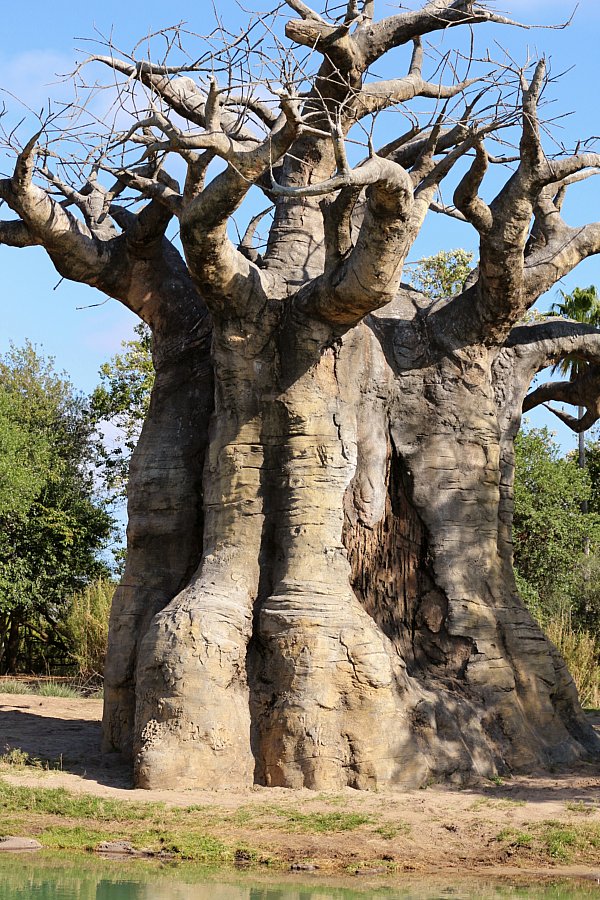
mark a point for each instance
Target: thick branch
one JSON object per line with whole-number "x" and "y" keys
{"x": 582, "y": 391}
{"x": 466, "y": 198}
{"x": 377, "y": 96}
{"x": 216, "y": 264}
{"x": 369, "y": 276}
{"x": 559, "y": 255}
{"x": 16, "y": 234}
{"x": 545, "y": 343}
{"x": 49, "y": 223}
{"x": 437, "y": 15}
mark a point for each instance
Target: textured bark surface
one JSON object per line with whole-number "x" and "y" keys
{"x": 319, "y": 587}
{"x": 354, "y": 620}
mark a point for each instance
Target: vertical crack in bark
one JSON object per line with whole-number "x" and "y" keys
{"x": 393, "y": 578}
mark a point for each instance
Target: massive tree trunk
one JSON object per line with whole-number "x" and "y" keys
{"x": 354, "y": 618}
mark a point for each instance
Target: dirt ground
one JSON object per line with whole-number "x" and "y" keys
{"x": 431, "y": 830}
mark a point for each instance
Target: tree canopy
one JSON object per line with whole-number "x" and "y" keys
{"x": 52, "y": 523}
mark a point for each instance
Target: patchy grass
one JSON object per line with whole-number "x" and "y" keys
{"x": 67, "y": 821}
{"x": 321, "y": 823}
{"x": 20, "y": 759}
{"x": 555, "y": 841}
{"x": 503, "y": 803}
{"x": 496, "y": 780}
{"x": 580, "y": 806}
{"x": 515, "y": 838}
{"x": 392, "y": 829}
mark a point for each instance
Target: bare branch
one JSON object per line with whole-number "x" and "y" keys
{"x": 303, "y": 10}
{"x": 377, "y": 96}
{"x": 16, "y": 234}
{"x": 376, "y": 39}
{"x": 447, "y": 211}
{"x": 465, "y": 196}
{"x": 246, "y": 244}
{"x": 367, "y": 277}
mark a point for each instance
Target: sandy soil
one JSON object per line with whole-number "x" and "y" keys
{"x": 432, "y": 830}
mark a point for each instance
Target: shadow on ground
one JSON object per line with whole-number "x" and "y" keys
{"x": 60, "y": 742}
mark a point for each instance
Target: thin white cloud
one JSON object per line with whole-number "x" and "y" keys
{"x": 32, "y": 77}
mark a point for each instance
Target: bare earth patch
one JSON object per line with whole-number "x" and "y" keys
{"x": 534, "y": 823}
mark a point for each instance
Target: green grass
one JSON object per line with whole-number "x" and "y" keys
{"x": 64, "y": 820}
{"x": 57, "y": 689}
{"x": 580, "y": 806}
{"x": 321, "y": 823}
{"x": 17, "y": 758}
{"x": 515, "y": 838}
{"x": 14, "y": 686}
{"x": 495, "y": 779}
{"x": 392, "y": 829}
{"x": 553, "y": 840}
{"x": 67, "y": 821}
{"x": 560, "y": 843}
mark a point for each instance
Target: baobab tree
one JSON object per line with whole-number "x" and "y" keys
{"x": 319, "y": 587}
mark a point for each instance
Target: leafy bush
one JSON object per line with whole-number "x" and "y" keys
{"x": 550, "y": 529}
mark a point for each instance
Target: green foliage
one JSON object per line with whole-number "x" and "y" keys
{"x": 592, "y": 464}
{"x": 86, "y": 624}
{"x": 24, "y": 456}
{"x": 557, "y": 582}
{"x": 549, "y": 527}
{"x": 444, "y": 274}
{"x": 51, "y": 532}
{"x": 582, "y": 305}
{"x": 122, "y": 400}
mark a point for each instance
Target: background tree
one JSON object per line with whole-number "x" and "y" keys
{"x": 550, "y": 527}
{"x": 444, "y": 274}
{"x": 120, "y": 403}
{"x": 582, "y": 305}
{"x": 319, "y": 587}
{"x": 52, "y": 526}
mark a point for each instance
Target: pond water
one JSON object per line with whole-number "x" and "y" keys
{"x": 27, "y": 878}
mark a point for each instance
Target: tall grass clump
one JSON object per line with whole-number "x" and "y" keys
{"x": 581, "y": 652}
{"x": 14, "y": 686}
{"x": 86, "y": 624}
{"x": 57, "y": 689}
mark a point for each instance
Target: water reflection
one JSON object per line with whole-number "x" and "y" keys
{"x": 26, "y": 878}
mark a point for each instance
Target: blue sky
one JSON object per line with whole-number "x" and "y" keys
{"x": 73, "y": 323}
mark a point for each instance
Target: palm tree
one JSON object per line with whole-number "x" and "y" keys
{"x": 583, "y": 305}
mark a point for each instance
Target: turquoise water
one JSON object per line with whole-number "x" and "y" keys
{"x": 23, "y": 878}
